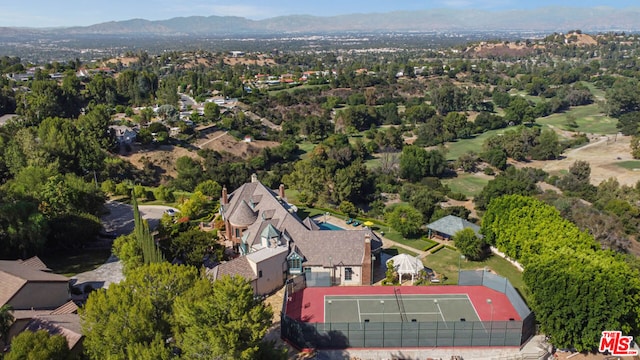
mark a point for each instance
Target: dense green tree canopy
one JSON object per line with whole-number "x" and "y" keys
{"x": 578, "y": 291}
{"x": 578, "y": 294}
{"x": 405, "y": 219}
{"x": 135, "y": 311}
{"x": 469, "y": 244}
{"x": 30, "y": 345}
{"x": 523, "y": 227}
{"x": 223, "y": 321}
{"x": 510, "y": 181}
{"x": 417, "y": 163}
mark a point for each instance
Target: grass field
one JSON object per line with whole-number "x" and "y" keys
{"x": 445, "y": 261}
{"x": 395, "y": 250}
{"x": 467, "y": 184}
{"x": 306, "y": 147}
{"x": 534, "y": 99}
{"x": 72, "y": 263}
{"x": 629, "y": 164}
{"x": 457, "y": 148}
{"x": 589, "y": 118}
{"x": 598, "y": 94}
{"x": 418, "y": 244}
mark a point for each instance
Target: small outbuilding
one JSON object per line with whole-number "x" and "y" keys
{"x": 444, "y": 228}
{"x": 407, "y": 264}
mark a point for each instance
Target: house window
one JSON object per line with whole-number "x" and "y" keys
{"x": 307, "y": 270}
{"x": 348, "y": 273}
{"x": 260, "y": 273}
{"x": 295, "y": 264}
{"x": 237, "y": 233}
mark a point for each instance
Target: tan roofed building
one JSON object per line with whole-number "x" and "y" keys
{"x": 25, "y": 286}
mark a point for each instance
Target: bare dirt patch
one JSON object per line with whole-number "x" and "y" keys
{"x": 603, "y": 154}
{"x": 221, "y": 141}
{"x": 164, "y": 157}
{"x": 126, "y": 61}
{"x": 502, "y": 49}
{"x": 580, "y": 39}
{"x": 260, "y": 61}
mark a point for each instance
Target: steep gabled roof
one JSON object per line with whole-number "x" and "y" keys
{"x": 67, "y": 325}
{"x": 270, "y": 232}
{"x": 238, "y": 266}
{"x": 332, "y": 247}
{"x": 15, "y": 274}
{"x": 451, "y": 224}
{"x": 310, "y": 224}
{"x": 319, "y": 247}
{"x": 35, "y": 263}
{"x": 26, "y": 272}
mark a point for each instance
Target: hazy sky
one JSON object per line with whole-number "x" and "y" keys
{"x": 52, "y": 13}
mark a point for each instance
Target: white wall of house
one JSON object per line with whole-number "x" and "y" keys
{"x": 341, "y": 275}
{"x": 40, "y": 295}
{"x": 270, "y": 273}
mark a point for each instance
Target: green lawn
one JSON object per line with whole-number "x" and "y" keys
{"x": 598, "y": 94}
{"x": 304, "y": 212}
{"x": 589, "y": 118}
{"x": 629, "y": 164}
{"x": 395, "y": 250}
{"x": 418, "y": 244}
{"x": 534, "y": 99}
{"x": 70, "y": 263}
{"x": 457, "y": 148}
{"x": 306, "y": 147}
{"x": 446, "y": 261}
{"x": 467, "y": 184}
{"x": 372, "y": 163}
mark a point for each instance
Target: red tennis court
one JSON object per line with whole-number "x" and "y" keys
{"x": 310, "y": 304}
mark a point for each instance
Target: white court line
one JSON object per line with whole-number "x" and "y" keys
{"x": 394, "y": 313}
{"x": 477, "y": 315}
{"x": 408, "y": 297}
{"x": 441, "y": 314}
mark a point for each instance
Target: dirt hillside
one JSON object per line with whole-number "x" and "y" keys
{"x": 602, "y": 153}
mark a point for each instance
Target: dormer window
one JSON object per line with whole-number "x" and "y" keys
{"x": 295, "y": 263}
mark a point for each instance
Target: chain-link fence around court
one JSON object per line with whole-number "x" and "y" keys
{"x": 341, "y": 335}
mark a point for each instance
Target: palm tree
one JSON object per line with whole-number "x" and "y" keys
{"x": 6, "y": 319}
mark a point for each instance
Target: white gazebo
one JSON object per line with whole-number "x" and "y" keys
{"x": 406, "y": 264}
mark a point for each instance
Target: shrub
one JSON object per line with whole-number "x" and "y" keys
{"x": 457, "y": 196}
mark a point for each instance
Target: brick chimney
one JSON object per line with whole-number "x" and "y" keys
{"x": 225, "y": 197}
{"x": 281, "y": 191}
{"x": 367, "y": 270}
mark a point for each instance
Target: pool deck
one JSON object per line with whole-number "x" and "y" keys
{"x": 386, "y": 243}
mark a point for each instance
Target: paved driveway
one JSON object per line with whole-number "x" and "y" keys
{"x": 118, "y": 222}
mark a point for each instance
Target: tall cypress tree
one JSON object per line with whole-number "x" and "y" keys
{"x": 151, "y": 253}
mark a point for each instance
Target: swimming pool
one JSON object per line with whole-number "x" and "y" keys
{"x": 327, "y": 226}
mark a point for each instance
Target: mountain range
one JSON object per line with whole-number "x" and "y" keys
{"x": 548, "y": 19}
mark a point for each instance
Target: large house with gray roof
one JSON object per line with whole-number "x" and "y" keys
{"x": 274, "y": 244}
